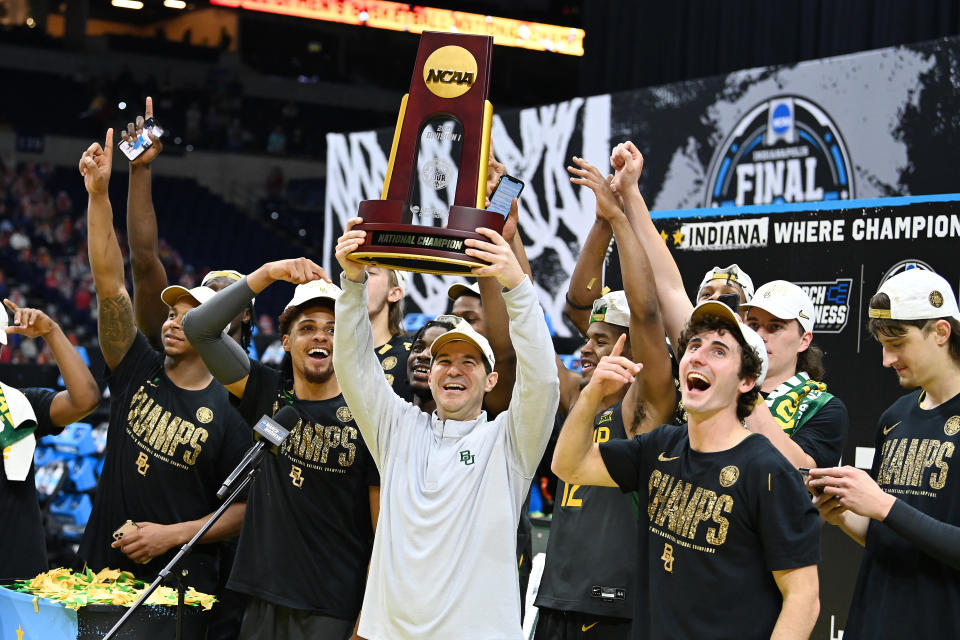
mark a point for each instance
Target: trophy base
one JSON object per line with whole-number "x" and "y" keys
{"x": 438, "y": 250}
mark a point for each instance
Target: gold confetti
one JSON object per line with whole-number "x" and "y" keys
{"x": 109, "y": 586}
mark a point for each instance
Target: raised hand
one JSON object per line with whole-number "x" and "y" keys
{"x": 495, "y": 170}
{"x": 627, "y": 163}
{"x": 96, "y": 163}
{"x": 587, "y": 175}
{"x": 502, "y": 264}
{"x": 347, "y": 243}
{"x": 134, "y": 129}
{"x": 614, "y": 371}
{"x": 32, "y": 323}
{"x": 296, "y": 271}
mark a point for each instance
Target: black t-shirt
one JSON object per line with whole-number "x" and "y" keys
{"x": 822, "y": 435}
{"x": 592, "y": 552}
{"x": 22, "y": 538}
{"x": 715, "y": 527}
{"x": 307, "y": 534}
{"x": 901, "y": 591}
{"x": 168, "y": 451}
{"x": 393, "y": 358}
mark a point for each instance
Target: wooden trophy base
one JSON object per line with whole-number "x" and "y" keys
{"x": 439, "y": 250}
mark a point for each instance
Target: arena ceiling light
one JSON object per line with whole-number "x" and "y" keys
{"x": 397, "y": 16}
{"x": 127, "y": 4}
{"x": 175, "y": 4}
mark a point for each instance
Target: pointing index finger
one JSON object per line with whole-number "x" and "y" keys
{"x": 108, "y": 145}
{"x": 148, "y": 110}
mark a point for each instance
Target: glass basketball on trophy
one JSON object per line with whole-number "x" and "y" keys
{"x": 435, "y": 185}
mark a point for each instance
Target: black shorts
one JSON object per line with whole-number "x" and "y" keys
{"x": 263, "y": 620}
{"x": 553, "y": 624}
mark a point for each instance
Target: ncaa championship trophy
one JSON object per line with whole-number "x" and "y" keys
{"x": 435, "y": 185}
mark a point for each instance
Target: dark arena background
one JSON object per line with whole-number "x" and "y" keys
{"x": 810, "y": 140}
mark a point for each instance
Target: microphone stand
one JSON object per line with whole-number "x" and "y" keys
{"x": 184, "y": 550}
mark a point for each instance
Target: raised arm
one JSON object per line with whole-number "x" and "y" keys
{"x": 368, "y": 394}
{"x": 497, "y": 320}
{"x": 586, "y": 281}
{"x": 536, "y": 390}
{"x": 115, "y": 324}
{"x": 651, "y": 399}
{"x": 576, "y": 458}
{"x": 203, "y": 325}
{"x": 674, "y": 303}
{"x": 82, "y": 394}
{"x": 149, "y": 276}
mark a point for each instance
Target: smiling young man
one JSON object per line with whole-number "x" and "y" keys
{"x": 453, "y": 482}
{"x": 173, "y": 436}
{"x": 906, "y": 512}
{"x": 312, "y": 508}
{"x": 805, "y": 422}
{"x": 730, "y": 537}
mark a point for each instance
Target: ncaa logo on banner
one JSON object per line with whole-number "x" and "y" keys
{"x": 831, "y": 303}
{"x": 785, "y": 149}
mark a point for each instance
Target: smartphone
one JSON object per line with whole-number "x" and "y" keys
{"x": 805, "y": 472}
{"x": 127, "y": 527}
{"x": 137, "y": 147}
{"x": 507, "y": 189}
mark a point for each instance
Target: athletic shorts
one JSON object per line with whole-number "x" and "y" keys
{"x": 264, "y": 620}
{"x": 553, "y": 624}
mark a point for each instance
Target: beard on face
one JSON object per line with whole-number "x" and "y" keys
{"x": 317, "y": 377}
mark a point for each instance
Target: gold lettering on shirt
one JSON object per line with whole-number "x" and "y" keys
{"x": 322, "y": 445}
{"x": 169, "y": 437}
{"x": 918, "y": 465}
{"x": 681, "y": 507}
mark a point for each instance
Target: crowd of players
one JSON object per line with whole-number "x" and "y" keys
{"x": 693, "y": 468}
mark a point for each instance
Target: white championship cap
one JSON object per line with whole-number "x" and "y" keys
{"x": 917, "y": 294}
{"x": 611, "y": 308}
{"x": 732, "y": 274}
{"x": 200, "y": 294}
{"x": 314, "y": 290}
{"x": 784, "y": 300}
{"x": 463, "y": 331}
{"x": 459, "y": 289}
{"x": 230, "y": 274}
{"x": 751, "y": 337}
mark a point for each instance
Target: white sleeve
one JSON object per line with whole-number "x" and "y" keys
{"x": 536, "y": 392}
{"x": 372, "y": 401}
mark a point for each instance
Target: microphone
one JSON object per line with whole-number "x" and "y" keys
{"x": 269, "y": 432}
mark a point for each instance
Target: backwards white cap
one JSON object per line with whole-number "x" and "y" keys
{"x": 917, "y": 294}
{"x": 732, "y": 274}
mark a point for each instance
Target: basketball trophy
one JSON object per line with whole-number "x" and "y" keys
{"x": 436, "y": 180}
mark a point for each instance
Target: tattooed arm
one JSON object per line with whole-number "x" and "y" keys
{"x": 115, "y": 321}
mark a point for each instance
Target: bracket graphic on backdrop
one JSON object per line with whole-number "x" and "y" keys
{"x": 435, "y": 185}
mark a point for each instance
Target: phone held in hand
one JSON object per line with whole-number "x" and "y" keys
{"x": 507, "y": 189}
{"x": 136, "y": 148}
{"x": 127, "y": 527}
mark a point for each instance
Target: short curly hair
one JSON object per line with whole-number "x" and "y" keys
{"x": 750, "y": 363}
